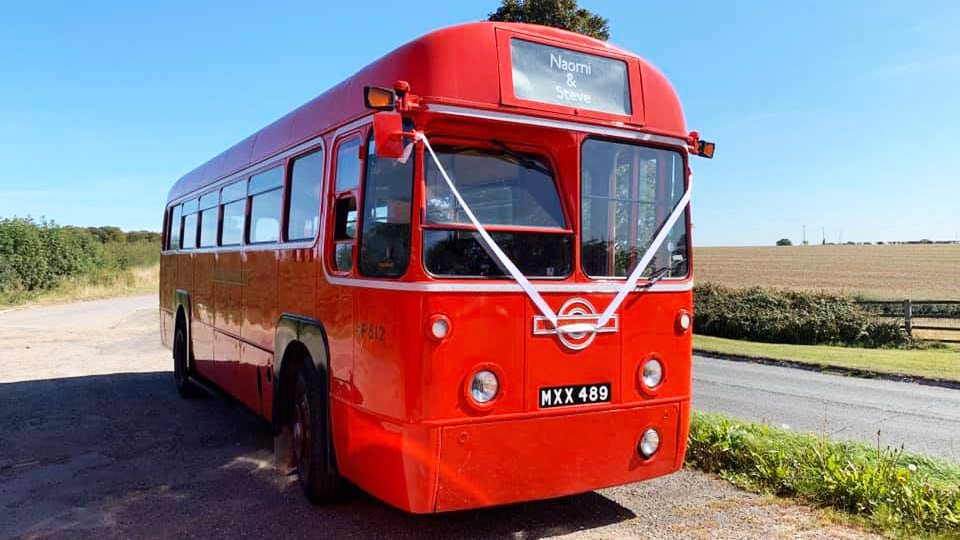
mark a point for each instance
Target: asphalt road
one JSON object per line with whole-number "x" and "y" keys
{"x": 95, "y": 443}
{"x": 920, "y": 418}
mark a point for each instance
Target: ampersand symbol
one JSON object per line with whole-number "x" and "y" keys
{"x": 570, "y": 81}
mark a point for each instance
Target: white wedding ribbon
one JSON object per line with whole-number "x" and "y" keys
{"x": 525, "y": 284}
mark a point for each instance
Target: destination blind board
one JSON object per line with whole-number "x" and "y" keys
{"x": 573, "y": 79}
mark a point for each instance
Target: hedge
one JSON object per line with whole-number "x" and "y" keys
{"x": 793, "y": 317}
{"x": 37, "y": 256}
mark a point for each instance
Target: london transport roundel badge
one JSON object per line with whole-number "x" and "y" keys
{"x": 575, "y": 311}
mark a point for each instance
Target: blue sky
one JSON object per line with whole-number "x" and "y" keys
{"x": 840, "y": 115}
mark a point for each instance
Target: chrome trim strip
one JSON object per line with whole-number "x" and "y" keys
{"x": 306, "y": 145}
{"x": 501, "y": 287}
{"x": 262, "y": 246}
{"x": 362, "y": 121}
{"x": 559, "y": 124}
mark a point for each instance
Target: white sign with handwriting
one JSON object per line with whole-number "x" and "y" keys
{"x": 563, "y": 77}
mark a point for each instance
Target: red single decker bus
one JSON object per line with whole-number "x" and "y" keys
{"x": 460, "y": 278}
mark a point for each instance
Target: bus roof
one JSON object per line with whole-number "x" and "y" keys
{"x": 457, "y": 65}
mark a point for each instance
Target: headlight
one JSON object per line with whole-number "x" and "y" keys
{"x": 484, "y": 386}
{"x": 649, "y": 443}
{"x": 651, "y": 374}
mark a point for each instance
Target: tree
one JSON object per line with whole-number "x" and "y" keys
{"x": 557, "y": 13}
{"x": 784, "y": 242}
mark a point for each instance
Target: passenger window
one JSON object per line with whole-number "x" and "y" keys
{"x": 190, "y": 231}
{"x": 209, "y": 219}
{"x": 173, "y": 236}
{"x": 265, "y": 203}
{"x": 306, "y": 182}
{"x": 385, "y": 237}
{"x": 234, "y": 199}
{"x": 208, "y": 227}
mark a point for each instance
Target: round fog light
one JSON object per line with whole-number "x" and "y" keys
{"x": 440, "y": 328}
{"x": 649, "y": 443}
{"x": 684, "y": 320}
{"x": 652, "y": 374}
{"x": 484, "y": 386}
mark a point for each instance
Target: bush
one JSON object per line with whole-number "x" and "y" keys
{"x": 890, "y": 488}
{"x": 795, "y": 317}
{"x": 784, "y": 242}
{"x": 37, "y": 256}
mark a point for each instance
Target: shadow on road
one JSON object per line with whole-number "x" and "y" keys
{"x": 122, "y": 455}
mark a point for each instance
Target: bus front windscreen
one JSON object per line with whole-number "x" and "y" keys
{"x": 504, "y": 189}
{"x": 627, "y": 193}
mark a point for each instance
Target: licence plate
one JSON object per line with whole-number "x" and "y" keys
{"x": 576, "y": 394}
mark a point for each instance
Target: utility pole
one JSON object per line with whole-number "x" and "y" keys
{"x": 823, "y": 235}
{"x": 841, "y": 236}
{"x": 804, "y": 235}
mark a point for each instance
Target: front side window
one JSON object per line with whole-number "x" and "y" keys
{"x": 504, "y": 189}
{"x": 627, "y": 192}
{"x": 346, "y": 192}
{"x": 265, "y": 202}
{"x": 385, "y": 234}
{"x": 306, "y": 182}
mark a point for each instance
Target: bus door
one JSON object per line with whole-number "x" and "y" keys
{"x": 336, "y": 306}
{"x": 385, "y": 316}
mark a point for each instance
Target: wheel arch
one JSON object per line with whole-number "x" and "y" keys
{"x": 295, "y": 337}
{"x": 181, "y": 309}
{"x": 298, "y": 337}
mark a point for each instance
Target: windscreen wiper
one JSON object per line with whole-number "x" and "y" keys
{"x": 522, "y": 159}
{"x": 661, "y": 273}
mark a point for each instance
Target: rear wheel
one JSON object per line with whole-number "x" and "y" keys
{"x": 308, "y": 425}
{"x": 181, "y": 368}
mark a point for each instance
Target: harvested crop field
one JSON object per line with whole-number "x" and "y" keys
{"x": 916, "y": 271}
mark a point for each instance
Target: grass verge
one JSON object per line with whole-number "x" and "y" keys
{"x": 899, "y": 493}
{"x": 938, "y": 363}
{"x": 102, "y": 284}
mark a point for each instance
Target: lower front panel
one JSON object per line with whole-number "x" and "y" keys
{"x": 422, "y": 468}
{"x": 504, "y": 462}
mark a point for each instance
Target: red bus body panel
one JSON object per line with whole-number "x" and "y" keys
{"x": 403, "y": 427}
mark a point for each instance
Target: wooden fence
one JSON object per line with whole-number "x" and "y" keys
{"x": 909, "y": 311}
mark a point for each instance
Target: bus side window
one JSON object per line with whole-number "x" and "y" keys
{"x": 265, "y": 202}
{"x": 234, "y": 201}
{"x": 347, "y": 183}
{"x": 385, "y": 235}
{"x": 190, "y": 224}
{"x": 209, "y": 219}
{"x": 303, "y": 206}
{"x": 173, "y": 234}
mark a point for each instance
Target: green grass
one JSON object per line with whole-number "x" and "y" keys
{"x": 940, "y": 362}
{"x": 899, "y": 493}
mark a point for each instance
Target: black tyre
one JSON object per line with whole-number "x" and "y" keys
{"x": 181, "y": 369}
{"x": 308, "y": 423}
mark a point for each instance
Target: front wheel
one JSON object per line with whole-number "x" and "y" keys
{"x": 309, "y": 429}
{"x": 181, "y": 369}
